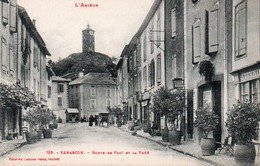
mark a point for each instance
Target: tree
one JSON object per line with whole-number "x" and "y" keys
{"x": 171, "y": 104}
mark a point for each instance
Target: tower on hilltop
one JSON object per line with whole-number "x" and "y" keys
{"x": 88, "y": 40}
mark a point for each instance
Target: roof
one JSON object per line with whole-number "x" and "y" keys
{"x": 60, "y": 79}
{"x": 147, "y": 19}
{"x": 72, "y": 111}
{"x": 32, "y": 29}
{"x": 95, "y": 79}
{"x": 88, "y": 28}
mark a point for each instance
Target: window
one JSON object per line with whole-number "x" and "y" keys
{"x": 139, "y": 80}
{"x": 92, "y": 91}
{"x": 13, "y": 16}
{"x": 36, "y": 57}
{"x": 173, "y": 22}
{"x": 60, "y": 88}
{"x": 240, "y": 29}
{"x": 4, "y": 56}
{"x": 11, "y": 60}
{"x": 145, "y": 78}
{"x": 158, "y": 28}
{"x": 59, "y": 101}
{"x": 250, "y": 91}
{"x": 135, "y": 60}
{"x": 211, "y": 29}
{"x": 254, "y": 91}
{"x": 49, "y": 91}
{"x": 152, "y": 36}
{"x": 92, "y": 103}
{"x": 158, "y": 68}
{"x": 108, "y": 92}
{"x": 144, "y": 47}
{"x": 152, "y": 73}
{"x": 4, "y": 13}
{"x": 196, "y": 42}
{"x": 108, "y": 102}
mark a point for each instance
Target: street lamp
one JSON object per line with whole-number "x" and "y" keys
{"x": 178, "y": 83}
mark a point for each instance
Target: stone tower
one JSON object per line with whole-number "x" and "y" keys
{"x": 88, "y": 40}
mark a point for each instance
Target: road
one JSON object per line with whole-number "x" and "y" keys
{"x": 79, "y": 144}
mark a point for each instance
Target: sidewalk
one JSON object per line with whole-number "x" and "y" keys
{"x": 190, "y": 148}
{"x": 7, "y": 146}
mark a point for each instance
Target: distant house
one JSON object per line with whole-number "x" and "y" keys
{"x": 60, "y": 101}
{"x": 92, "y": 93}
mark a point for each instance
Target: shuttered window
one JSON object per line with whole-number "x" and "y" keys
{"x": 4, "y": 55}
{"x": 144, "y": 47}
{"x": 145, "y": 78}
{"x": 158, "y": 69}
{"x": 159, "y": 28}
{"x": 92, "y": 103}
{"x": 196, "y": 42}
{"x": 240, "y": 29}
{"x": 173, "y": 22}
{"x": 11, "y": 60}
{"x": 152, "y": 36}
{"x": 211, "y": 30}
{"x": 59, "y": 101}
{"x": 4, "y": 13}
{"x": 13, "y": 16}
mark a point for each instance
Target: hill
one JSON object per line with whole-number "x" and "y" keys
{"x": 70, "y": 66}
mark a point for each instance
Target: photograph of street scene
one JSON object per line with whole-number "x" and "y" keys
{"x": 130, "y": 82}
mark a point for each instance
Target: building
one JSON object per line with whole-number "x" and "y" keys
{"x": 9, "y": 119}
{"x": 122, "y": 82}
{"x": 92, "y": 93}
{"x": 60, "y": 96}
{"x": 145, "y": 67}
{"x": 205, "y": 50}
{"x": 244, "y": 56}
{"x": 23, "y": 61}
{"x": 174, "y": 49}
{"x": 88, "y": 40}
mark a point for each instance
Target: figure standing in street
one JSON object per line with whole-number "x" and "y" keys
{"x": 91, "y": 119}
{"x": 96, "y": 120}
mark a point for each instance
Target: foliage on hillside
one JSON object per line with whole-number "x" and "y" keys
{"x": 84, "y": 62}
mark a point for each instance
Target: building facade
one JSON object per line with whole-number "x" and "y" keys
{"x": 92, "y": 93}
{"x": 245, "y": 52}
{"x": 60, "y": 96}
{"x": 122, "y": 82}
{"x": 23, "y": 61}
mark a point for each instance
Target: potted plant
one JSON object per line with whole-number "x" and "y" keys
{"x": 33, "y": 118}
{"x": 206, "y": 122}
{"x": 242, "y": 124}
{"x": 171, "y": 105}
{"x": 45, "y": 120}
{"x": 206, "y": 69}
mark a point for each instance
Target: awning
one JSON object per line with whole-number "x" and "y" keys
{"x": 72, "y": 111}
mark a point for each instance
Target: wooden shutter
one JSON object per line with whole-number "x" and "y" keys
{"x": 173, "y": 22}
{"x": 213, "y": 31}
{"x": 240, "y": 29}
{"x": 13, "y": 16}
{"x": 5, "y": 13}
{"x": 196, "y": 42}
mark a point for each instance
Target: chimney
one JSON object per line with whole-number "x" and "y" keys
{"x": 81, "y": 74}
{"x": 34, "y": 22}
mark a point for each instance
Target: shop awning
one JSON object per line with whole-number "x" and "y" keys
{"x": 72, "y": 111}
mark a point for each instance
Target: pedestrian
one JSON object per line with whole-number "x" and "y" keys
{"x": 91, "y": 118}
{"x": 96, "y": 120}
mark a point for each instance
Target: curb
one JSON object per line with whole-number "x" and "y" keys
{"x": 18, "y": 145}
{"x": 177, "y": 150}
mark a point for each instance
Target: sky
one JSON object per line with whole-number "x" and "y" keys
{"x": 60, "y": 23}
